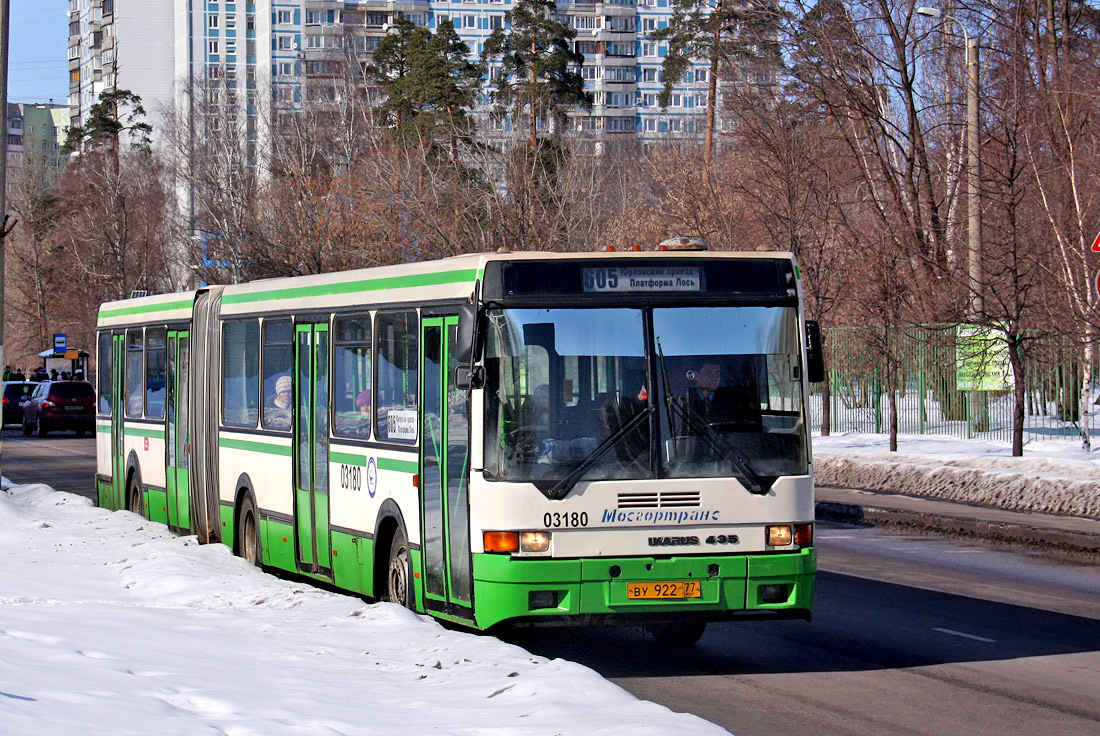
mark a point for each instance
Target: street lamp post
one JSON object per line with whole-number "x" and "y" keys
{"x": 973, "y": 169}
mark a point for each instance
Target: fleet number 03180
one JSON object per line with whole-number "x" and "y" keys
{"x": 569, "y": 519}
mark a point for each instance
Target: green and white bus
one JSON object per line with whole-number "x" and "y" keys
{"x": 491, "y": 438}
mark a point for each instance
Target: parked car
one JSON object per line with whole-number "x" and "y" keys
{"x": 60, "y": 405}
{"x": 16, "y": 394}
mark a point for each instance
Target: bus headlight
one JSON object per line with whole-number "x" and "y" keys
{"x": 516, "y": 541}
{"x": 779, "y": 535}
{"x": 784, "y": 535}
{"x": 534, "y": 541}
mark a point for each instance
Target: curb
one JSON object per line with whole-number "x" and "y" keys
{"x": 1040, "y": 538}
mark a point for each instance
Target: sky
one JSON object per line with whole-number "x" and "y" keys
{"x": 38, "y": 51}
{"x": 111, "y": 624}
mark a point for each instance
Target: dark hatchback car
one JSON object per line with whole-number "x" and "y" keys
{"x": 60, "y": 405}
{"x": 16, "y": 393}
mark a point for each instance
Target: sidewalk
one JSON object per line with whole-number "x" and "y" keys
{"x": 1073, "y": 535}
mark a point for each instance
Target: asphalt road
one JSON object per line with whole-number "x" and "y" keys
{"x": 61, "y": 460}
{"x": 911, "y": 635}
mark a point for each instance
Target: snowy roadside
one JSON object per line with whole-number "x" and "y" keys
{"x": 110, "y": 624}
{"x": 1054, "y": 477}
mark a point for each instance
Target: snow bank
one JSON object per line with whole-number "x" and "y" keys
{"x": 110, "y": 624}
{"x": 1054, "y": 478}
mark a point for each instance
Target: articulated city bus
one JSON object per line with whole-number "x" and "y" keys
{"x": 525, "y": 438}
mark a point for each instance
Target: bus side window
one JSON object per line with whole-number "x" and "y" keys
{"x": 241, "y": 373}
{"x": 397, "y": 353}
{"x": 278, "y": 362}
{"x": 351, "y": 385}
{"x": 156, "y": 357}
{"x": 135, "y": 362}
{"x": 104, "y": 367}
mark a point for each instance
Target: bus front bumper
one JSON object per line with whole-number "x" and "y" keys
{"x": 579, "y": 591}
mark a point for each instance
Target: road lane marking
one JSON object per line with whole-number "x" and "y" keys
{"x": 965, "y": 635}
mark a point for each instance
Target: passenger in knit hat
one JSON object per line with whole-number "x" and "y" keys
{"x": 283, "y": 392}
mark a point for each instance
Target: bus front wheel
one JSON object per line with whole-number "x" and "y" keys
{"x": 397, "y": 573}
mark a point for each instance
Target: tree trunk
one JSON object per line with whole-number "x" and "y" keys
{"x": 1086, "y": 393}
{"x": 712, "y": 88}
{"x": 1020, "y": 392}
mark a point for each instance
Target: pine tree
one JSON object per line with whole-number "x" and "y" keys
{"x": 117, "y": 111}
{"x": 540, "y": 70}
{"x": 726, "y": 33}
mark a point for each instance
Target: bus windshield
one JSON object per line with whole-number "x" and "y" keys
{"x": 620, "y": 393}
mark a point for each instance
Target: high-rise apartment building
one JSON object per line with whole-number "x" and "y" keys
{"x": 277, "y": 51}
{"x": 35, "y": 135}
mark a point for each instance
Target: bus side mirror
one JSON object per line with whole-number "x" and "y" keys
{"x": 465, "y": 348}
{"x": 469, "y": 376}
{"x": 815, "y": 353}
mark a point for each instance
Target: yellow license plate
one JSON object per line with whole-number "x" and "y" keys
{"x": 676, "y": 589}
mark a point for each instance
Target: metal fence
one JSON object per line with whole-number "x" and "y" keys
{"x": 932, "y": 368}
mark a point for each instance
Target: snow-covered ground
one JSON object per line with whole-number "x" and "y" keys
{"x": 1055, "y": 477}
{"x": 110, "y": 624}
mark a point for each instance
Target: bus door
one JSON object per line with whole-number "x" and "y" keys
{"x": 176, "y": 432}
{"x": 444, "y": 475}
{"x": 311, "y": 501}
{"x": 118, "y": 404}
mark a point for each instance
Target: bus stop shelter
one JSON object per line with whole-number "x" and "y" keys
{"x": 70, "y": 359}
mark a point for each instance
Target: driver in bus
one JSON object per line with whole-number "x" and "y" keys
{"x": 722, "y": 407}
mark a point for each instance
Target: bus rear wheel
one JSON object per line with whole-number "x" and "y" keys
{"x": 678, "y": 635}
{"x": 397, "y": 572}
{"x": 248, "y": 540}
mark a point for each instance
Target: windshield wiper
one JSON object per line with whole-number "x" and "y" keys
{"x": 753, "y": 481}
{"x": 559, "y": 490}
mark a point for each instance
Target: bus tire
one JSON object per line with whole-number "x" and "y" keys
{"x": 248, "y": 534}
{"x": 678, "y": 635}
{"x": 135, "y": 503}
{"x": 397, "y": 572}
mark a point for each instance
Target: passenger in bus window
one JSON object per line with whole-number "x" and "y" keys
{"x": 362, "y": 402}
{"x": 277, "y": 412}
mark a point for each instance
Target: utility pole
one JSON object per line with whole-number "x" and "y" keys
{"x": 973, "y": 176}
{"x": 4, "y": 230}
{"x": 975, "y": 276}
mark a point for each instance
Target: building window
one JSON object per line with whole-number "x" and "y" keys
{"x": 212, "y": 48}
{"x": 284, "y": 43}
{"x": 496, "y": 21}
{"x": 212, "y": 21}
{"x": 649, "y": 49}
{"x": 283, "y": 16}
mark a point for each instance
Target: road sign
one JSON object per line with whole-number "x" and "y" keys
{"x": 1096, "y": 244}
{"x": 59, "y": 342}
{"x": 1096, "y": 282}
